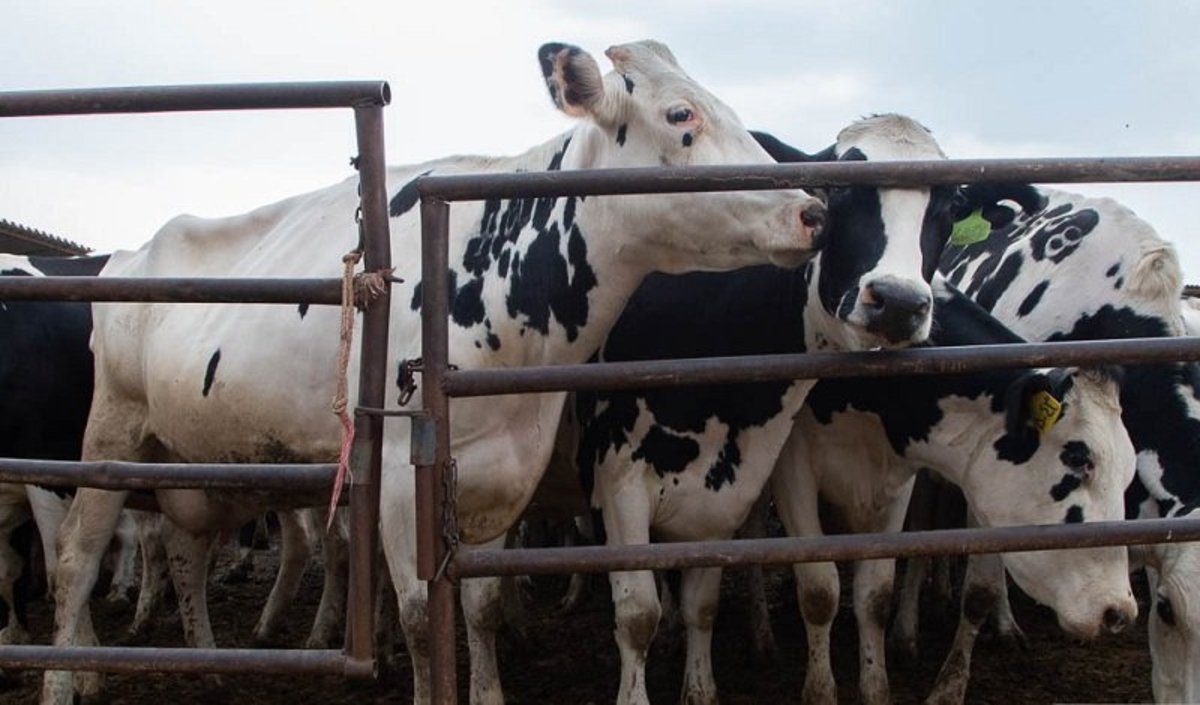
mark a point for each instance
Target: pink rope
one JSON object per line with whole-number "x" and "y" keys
{"x": 340, "y": 396}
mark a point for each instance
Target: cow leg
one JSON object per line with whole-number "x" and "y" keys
{"x": 398, "y": 535}
{"x": 903, "y": 639}
{"x": 12, "y": 566}
{"x": 49, "y": 510}
{"x": 795, "y": 493}
{"x": 635, "y": 596}
{"x": 483, "y": 612}
{"x": 187, "y": 558}
{"x": 762, "y": 637}
{"x": 700, "y": 595}
{"x": 83, "y": 538}
{"x": 155, "y": 573}
{"x": 872, "y": 607}
{"x": 979, "y": 598}
{"x": 293, "y": 558}
{"x": 1008, "y": 632}
{"x": 335, "y": 556}
{"x": 124, "y": 561}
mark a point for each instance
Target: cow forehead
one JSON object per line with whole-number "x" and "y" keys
{"x": 889, "y": 137}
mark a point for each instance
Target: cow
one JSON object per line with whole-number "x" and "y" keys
{"x": 1082, "y": 268}
{"x": 688, "y": 464}
{"x": 533, "y": 281}
{"x": 859, "y": 443}
{"x": 46, "y": 383}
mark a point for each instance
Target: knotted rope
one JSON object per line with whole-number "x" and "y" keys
{"x": 358, "y": 291}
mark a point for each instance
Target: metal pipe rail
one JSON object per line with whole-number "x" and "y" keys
{"x": 759, "y": 177}
{"x": 206, "y": 290}
{"x": 114, "y": 475}
{"x": 125, "y": 659}
{"x": 366, "y": 99}
{"x": 780, "y": 551}
{"x": 769, "y": 368}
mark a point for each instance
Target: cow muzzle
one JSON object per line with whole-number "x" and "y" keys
{"x": 896, "y": 310}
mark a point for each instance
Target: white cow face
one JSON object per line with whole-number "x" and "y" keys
{"x": 1051, "y": 471}
{"x": 648, "y": 112}
{"x": 872, "y": 280}
{"x": 1174, "y": 621}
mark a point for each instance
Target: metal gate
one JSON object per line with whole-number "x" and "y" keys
{"x": 367, "y": 99}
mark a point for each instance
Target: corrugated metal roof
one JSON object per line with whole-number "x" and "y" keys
{"x": 21, "y": 240}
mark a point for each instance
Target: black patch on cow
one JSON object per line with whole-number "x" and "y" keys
{"x": 1030, "y": 302}
{"x": 1165, "y": 506}
{"x": 1164, "y": 611}
{"x": 451, "y": 285}
{"x": 502, "y": 263}
{"x": 1074, "y": 515}
{"x": 666, "y": 452}
{"x": 1061, "y": 236}
{"x": 466, "y": 308}
{"x": 1068, "y": 484}
{"x": 1119, "y": 282}
{"x": 406, "y": 197}
{"x": 303, "y": 308}
{"x": 989, "y": 293}
{"x": 493, "y": 340}
{"x": 628, "y": 83}
{"x": 1076, "y": 455}
{"x": 758, "y": 311}
{"x": 210, "y": 372}
{"x": 687, "y": 139}
{"x": 621, "y": 134}
{"x": 1112, "y": 271}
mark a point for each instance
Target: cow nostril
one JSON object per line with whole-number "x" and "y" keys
{"x": 871, "y": 298}
{"x": 1115, "y": 620}
{"x": 813, "y": 215}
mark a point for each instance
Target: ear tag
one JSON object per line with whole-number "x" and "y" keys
{"x": 971, "y": 229}
{"x": 1044, "y": 411}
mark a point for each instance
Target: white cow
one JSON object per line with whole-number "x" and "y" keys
{"x": 535, "y": 281}
{"x": 1081, "y": 268}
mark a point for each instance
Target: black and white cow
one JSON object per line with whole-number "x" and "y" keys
{"x": 45, "y": 391}
{"x": 1088, "y": 268}
{"x": 534, "y": 281}
{"x": 858, "y": 444}
{"x": 688, "y": 464}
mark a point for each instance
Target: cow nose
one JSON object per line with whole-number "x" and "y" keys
{"x": 813, "y": 219}
{"x": 895, "y": 308}
{"x": 1115, "y": 620}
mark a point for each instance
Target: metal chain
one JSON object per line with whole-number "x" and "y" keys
{"x": 449, "y": 517}
{"x": 407, "y": 381}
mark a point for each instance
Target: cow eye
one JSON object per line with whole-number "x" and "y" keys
{"x": 680, "y": 114}
{"x": 1078, "y": 460}
{"x": 1165, "y": 612}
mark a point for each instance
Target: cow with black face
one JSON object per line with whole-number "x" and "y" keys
{"x": 1079, "y": 268}
{"x": 533, "y": 281}
{"x": 688, "y": 464}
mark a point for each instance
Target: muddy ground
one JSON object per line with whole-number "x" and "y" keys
{"x": 574, "y": 660}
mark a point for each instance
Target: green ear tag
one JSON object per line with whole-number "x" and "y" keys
{"x": 1044, "y": 411}
{"x": 971, "y": 229}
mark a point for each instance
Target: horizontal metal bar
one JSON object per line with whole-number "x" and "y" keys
{"x": 173, "y": 289}
{"x": 228, "y": 96}
{"x": 113, "y": 475}
{"x": 593, "y": 559}
{"x": 766, "y": 368}
{"x": 114, "y": 659}
{"x": 372, "y": 411}
{"x": 468, "y": 187}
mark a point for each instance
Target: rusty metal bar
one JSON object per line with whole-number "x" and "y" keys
{"x": 756, "y": 177}
{"x": 203, "y": 97}
{"x": 764, "y": 368}
{"x": 431, "y": 480}
{"x": 583, "y": 559}
{"x": 114, "y": 475}
{"x": 173, "y": 289}
{"x": 117, "y": 659}
{"x": 367, "y": 455}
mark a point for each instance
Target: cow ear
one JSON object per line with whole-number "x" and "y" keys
{"x": 987, "y": 198}
{"x": 573, "y": 78}
{"x": 1030, "y": 405}
{"x": 784, "y": 153}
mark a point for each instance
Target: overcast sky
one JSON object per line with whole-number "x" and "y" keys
{"x": 991, "y": 79}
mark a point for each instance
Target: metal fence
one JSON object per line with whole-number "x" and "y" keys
{"x": 367, "y": 99}
{"x": 441, "y": 382}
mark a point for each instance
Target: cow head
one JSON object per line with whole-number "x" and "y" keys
{"x": 1174, "y": 621}
{"x": 872, "y": 279}
{"x": 648, "y": 112}
{"x": 1063, "y": 456}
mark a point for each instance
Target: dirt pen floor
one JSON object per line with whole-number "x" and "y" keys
{"x": 573, "y": 660}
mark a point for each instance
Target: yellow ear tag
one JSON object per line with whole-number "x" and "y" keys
{"x": 1044, "y": 411}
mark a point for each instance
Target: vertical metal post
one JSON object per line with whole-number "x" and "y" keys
{"x": 367, "y": 453}
{"x": 431, "y": 508}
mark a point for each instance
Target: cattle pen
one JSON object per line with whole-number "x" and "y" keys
{"x": 438, "y": 560}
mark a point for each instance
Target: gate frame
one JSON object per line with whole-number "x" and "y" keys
{"x": 367, "y": 99}
{"x": 436, "y": 481}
